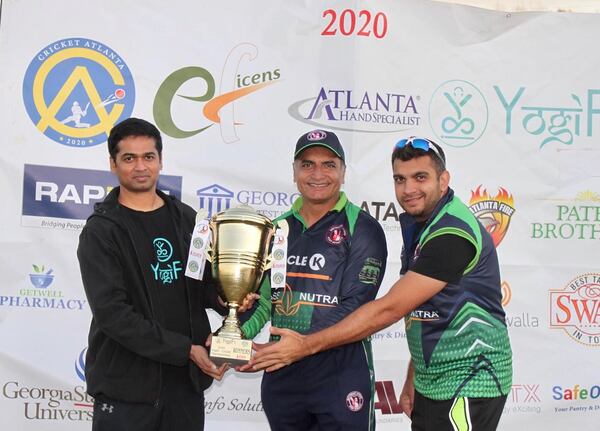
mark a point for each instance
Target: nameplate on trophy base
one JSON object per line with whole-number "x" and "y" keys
{"x": 230, "y": 350}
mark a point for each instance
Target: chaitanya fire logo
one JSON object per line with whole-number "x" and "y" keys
{"x": 494, "y": 213}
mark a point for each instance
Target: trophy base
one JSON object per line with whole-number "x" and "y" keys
{"x": 230, "y": 350}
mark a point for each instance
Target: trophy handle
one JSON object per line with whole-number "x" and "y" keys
{"x": 209, "y": 254}
{"x": 268, "y": 263}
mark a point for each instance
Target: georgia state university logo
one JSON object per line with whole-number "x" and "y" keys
{"x": 75, "y": 90}
{"x": 494, "y": 213}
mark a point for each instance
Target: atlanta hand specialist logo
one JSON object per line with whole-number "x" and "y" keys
{"x": 576, "y": 309}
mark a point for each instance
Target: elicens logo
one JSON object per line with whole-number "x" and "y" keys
{"x": 576, "y": 309}
{"x": 216, "y": 198}
{"x": 50, "y": 404}
{"x": 577, "y": 218}
{"x": 380, "y": 111}
{"x": 41, "y": 295}
{"x": 557, "y": 125}
{"x": 75, "y": 90}
{"x": 458, "y": 113}
{"x": 494, "y": 213}
{"x": 62, "y": 198}
{"x": 219, "y": 109}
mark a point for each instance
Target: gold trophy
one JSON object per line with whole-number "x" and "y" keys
{"x": 238, "y": 255}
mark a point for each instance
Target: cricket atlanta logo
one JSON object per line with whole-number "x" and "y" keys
{"x": 75, "y": 90}
{"x": 576, "y": 309}
{"x": 494, "y": 213}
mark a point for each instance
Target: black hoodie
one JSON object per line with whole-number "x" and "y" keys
{"x": 127, "y": 343}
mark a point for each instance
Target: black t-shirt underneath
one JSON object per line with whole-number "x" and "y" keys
{"x": 444, "y": 258}
{"x": 164, "y": 264}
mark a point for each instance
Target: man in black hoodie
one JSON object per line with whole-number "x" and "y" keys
{"x": 146, "y": 364}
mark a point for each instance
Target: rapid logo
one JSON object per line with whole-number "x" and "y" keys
{"x": 41, "y": 295}
{"x": 75, "y": 90}
{"x": 577, "y": 218}
{"x": 234, "y": 85}
{"x": 216, "y": 198}
{"x": 458, "y": 113}
{"x": 494, "y": 213}
{"x": 61, "y": 198}
{"x": 373, "y": 111}
{"x": 576, "y": 309}
{"x": 526, "y": 319}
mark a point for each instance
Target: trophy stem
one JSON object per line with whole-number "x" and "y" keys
{"x": 231, "y": 325}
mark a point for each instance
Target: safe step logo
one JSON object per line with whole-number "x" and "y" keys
{"x": 576, "y": 309}
{"x": 75, "y": 90}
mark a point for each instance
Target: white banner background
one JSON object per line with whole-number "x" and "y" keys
{"x": 522, "y": 88}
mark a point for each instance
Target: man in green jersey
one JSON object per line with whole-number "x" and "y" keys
{"x": 449, "y": 295}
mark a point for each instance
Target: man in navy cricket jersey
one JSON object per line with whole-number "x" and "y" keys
{"x": 336, "y": 255}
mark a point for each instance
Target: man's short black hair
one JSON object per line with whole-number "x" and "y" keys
{"x": 132, "y": 127}
{"x": 407, "y": 153}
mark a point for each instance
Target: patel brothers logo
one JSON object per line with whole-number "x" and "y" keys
{"x": 494, "y": 213}
{"x": 577, "y": 218}
{"x": 576, "y": 309}
{"x": 458, "y": 113}
{"x": 218, "y": 109}
{"x": 75, "y": 90}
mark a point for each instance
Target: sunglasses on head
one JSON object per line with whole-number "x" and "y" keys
{"x": 420, "y": 144}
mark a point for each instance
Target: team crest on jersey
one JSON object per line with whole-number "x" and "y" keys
{"x": 75, "y": 90}
{"x": 494, "y": 213}
{"x": 336, "y": 234}
{"x": 354, "y": 401}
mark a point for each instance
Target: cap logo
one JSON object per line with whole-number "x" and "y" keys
{"x": 316, "y": 135}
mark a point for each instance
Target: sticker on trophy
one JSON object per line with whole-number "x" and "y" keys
{"x": 279, "y": 258}
{"x": 198, "y": 245}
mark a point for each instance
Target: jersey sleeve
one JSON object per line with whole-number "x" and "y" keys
{"x": 444, "y": 258}
{"x": 364, "y": 269}
{"x": 261, "y": 313}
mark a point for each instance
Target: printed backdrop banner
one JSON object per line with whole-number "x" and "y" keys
{"x": 513, "y": 98}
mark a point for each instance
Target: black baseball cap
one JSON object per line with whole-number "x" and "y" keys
{"x": 320, "y": 138}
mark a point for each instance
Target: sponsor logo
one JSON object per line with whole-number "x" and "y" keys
{"x": 576, "y": 393}
{"x": 386, "y": 400}
{"x": 80, "y": 365}
{"x": 379, "y": 111}
{"x": 525, "y": 319}
{"x": 577, "y": 219}
{"x": 219, "y": 109}
{"x": 523, "y": 398}
{"x": 458, "y": 113}
{"x": 62, "y": 198}
{"x": 289, "y": 303}
{"x": 316, "y": 262}
{"x": 163, "y": 270}
{"x": 216, "y": 198}
{"x": 354, "y": 401}
{"x": 213, "y": 406}
{"x": 316, "y": 135}
{"x": 557, "y": 125}
{"x": 386, "y": 213}
{"x": 369, "y": 273}
{"x": 41, "y": 295}
{"x": 576, "y": 309}
{"x": 49, "y": 404}
{"x": 494, "y": 213}
{"x": 336, "y": 234}
{"x": 75, "y": 90}
{"x": 41, "y": 278}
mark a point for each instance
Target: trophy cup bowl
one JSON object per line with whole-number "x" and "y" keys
{"x": 239, "y": 256}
